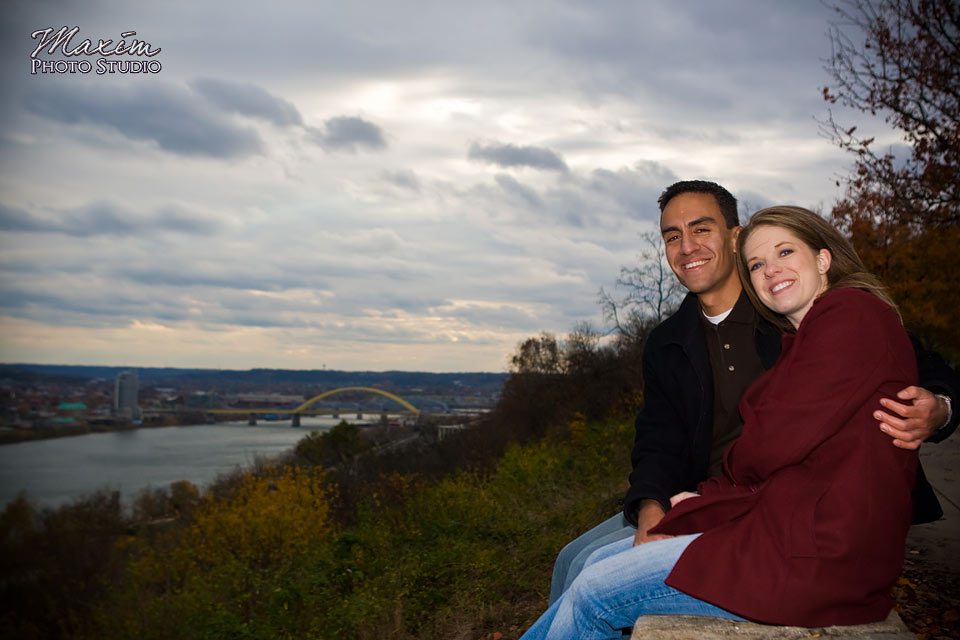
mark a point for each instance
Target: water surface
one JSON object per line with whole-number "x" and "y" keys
{"x": 56, "y": 471}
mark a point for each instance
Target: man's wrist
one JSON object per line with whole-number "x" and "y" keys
{"x": 949, "y": 404}
{"x": 649, "y": 503}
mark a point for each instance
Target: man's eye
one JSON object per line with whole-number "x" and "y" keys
{"x": 703, "y": 230}
{"x": 670, "y": 238}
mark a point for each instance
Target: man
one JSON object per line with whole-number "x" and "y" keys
{"x": 698, "y": 363}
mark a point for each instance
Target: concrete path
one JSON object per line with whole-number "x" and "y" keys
{"x": 937, "y": 545}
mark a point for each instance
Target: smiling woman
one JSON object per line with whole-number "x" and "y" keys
{"x": 789, "y": 256}
{"x": 786, "y": 274}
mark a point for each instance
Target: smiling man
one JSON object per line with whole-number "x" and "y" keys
{"x": 699, "y": 239}
{"x": 698, "y": 363}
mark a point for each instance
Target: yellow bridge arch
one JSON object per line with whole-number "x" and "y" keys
{"x": 326, "y": 394}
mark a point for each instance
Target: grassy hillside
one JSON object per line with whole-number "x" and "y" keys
{"x": 261, "y": 556}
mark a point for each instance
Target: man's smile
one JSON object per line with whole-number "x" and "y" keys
{"x": 694, "y": 264}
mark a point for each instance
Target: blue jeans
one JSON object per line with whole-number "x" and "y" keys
{"x": 572, "y": 557}
{"x": 620, "y": 583}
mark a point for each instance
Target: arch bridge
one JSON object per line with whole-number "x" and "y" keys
{"x": 326, "y": 394}
{"x": 305, "y": 408}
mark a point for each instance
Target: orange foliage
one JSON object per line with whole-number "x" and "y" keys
{"x": 272, "y": 517}
{"x": 915, "y": 262}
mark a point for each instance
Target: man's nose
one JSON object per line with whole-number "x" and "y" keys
{"x": 688, "y": 244}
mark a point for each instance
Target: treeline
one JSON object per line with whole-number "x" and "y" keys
{"x": 259, "y": 379}
{"x": 450, "y": 538}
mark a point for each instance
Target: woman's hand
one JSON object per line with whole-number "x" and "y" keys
{"x": 683, "y": 495}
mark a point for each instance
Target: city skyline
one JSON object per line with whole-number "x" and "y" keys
{"x": 377, "y": 186}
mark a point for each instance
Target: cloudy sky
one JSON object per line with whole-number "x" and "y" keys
{"x": 376, "y": 184}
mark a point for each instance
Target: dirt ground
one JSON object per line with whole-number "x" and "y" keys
{"x": 929, "y": 602}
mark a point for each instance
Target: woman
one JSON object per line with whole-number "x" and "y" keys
{"x": 807, "y": 526}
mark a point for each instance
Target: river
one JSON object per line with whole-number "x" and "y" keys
{"x": 53, "y": 472}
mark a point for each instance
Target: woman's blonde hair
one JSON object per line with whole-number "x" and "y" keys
{"x": 846, "y": 267}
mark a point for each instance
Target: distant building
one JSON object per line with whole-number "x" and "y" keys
{"x": 202, "y": 400}
{"x": 125, "y": 403}
{"x": 278, "y": 400}
{"x": 65, "y": 408}
{"x": 69, "y": 414}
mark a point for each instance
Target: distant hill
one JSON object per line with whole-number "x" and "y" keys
{"x": 478, "y": 382}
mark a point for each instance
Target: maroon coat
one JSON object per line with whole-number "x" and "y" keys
{"x": 809, "y": 524}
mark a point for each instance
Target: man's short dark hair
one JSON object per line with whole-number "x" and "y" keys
{"x": 725, "y": 199}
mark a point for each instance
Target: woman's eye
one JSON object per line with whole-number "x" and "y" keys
{"x": 785, "y": 252}
{"x": 754, "y": 266}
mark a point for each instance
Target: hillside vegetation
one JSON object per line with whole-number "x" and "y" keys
{"x": 450, "y": 539}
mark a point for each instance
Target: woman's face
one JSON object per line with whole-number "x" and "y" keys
{"x": 786, "y": 274}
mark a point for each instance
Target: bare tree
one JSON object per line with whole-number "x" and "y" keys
{"x": 540, "y": 354}
{"x": 580, "y": 348}
{"x": 900, "y": 59}
{"x": 652, "y": 291}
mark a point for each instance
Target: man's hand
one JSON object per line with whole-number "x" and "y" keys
{"x": 648, "y": 516}
{"x": 911, "y": 423}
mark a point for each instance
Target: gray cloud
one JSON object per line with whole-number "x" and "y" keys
{"x": 494, "y": 238}
{"x": 169, "y": 115}
{"x": 106, "y": 219}
{"x": 601, "y": 199}
{"x": 375, "y": 242}
{"x": 510, "y": 155}
{"x": 499, "y": 315}
{"x": 403, "y": 178}
{"x": 348, "y": 133}
{"x": 248, "y": 100}
{"x": 519, "y": 191}
{"x": 730, "y": 73}
{"x": 89, "y": 312}
{"x": 749, "y": 202}
{"x": 634, "y": 190}
{"x": 224, "y": 270}
{"x": 203, "y": 276}
{"x": 13, "y": 219}
{"x": 573, "y": 207}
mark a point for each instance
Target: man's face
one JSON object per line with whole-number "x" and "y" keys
{"x": 697, "y": 242}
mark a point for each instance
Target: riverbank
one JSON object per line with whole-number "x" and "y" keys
{"x": 80, "y": 427}
{"x": 55, "y": 472}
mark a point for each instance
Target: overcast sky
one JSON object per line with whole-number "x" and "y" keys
{"x": 376, "y": 184}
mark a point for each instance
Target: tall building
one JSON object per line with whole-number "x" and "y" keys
{"x": 125, "y": 396}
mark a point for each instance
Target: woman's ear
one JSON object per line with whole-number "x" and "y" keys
{"x": 824, "y": 260}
